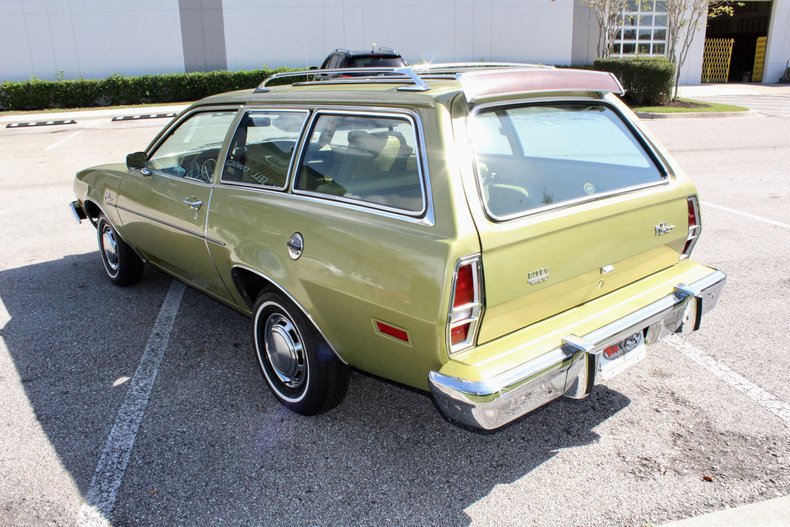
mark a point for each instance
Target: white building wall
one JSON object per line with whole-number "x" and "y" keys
{"x": 585, "y": 35}
{"x": 286, "y": 33}
{"x": 777, "y": 52}
{"x": 88, "y": 38}
{"x": 691, "y": 72}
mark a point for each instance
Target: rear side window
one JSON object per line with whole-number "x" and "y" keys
{"x": 535, "y": 156}
{"x": 366, "y": 159}
{"x": 261, "y": 149}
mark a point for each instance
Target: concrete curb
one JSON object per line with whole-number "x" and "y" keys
{"x": 697, "y": 115}
{"x": 85, "y": 115}
{"x": 771, "y": 513}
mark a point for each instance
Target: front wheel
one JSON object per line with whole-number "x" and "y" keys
{"x": 299, "y": 367}
{"x": 122, "y": 265}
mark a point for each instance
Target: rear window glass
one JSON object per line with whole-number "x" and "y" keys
{"x": 363, "y": 158}
{"x": 375, "y": 62}
{"x": 534, "y": 156}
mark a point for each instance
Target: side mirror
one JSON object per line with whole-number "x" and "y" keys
{"x": 136, "y": 161}
{"x": 313, "y": 67}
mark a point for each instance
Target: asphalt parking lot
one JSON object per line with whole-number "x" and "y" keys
{"x": 701, "y": 425}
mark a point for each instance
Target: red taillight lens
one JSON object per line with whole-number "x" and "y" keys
{"x": 695, "y": 227}
{"x": 466, "y": 304}
{"x": 464, "y": 286}
{"x": 692, "y": 213}
{"x": 459, "y": 334}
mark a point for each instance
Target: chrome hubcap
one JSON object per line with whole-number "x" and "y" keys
{"x": 110, "y": 247}
{"x": 285, "y": 351}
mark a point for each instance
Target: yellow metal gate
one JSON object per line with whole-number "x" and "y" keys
{"x": 716, "y": 59}
{"x": 759, "y": 59}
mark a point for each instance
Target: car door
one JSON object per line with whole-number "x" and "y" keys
{"x": 163, "y": 207}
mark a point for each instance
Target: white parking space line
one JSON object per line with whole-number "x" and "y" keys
{"x": 765, "y": 399}
{"x": 58, "y": 143}
{"x": 747, "y": 215}
{"x": 114, "y": 457}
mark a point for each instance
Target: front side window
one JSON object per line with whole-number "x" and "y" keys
{"x": 535, "y": 156}
{"x": 261, "y": 149}
{"x": 191, "y": 150}
{"x": 367, "y": 159}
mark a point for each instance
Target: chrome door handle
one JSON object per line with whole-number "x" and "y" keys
{"x": 193, "y": 203}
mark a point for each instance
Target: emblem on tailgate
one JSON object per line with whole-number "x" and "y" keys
{"x": 538, "y": 276}
{"x": 662, "y": 229}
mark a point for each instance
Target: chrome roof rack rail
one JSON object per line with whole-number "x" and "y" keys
{"x": 419, "y": 84}
{"x": 355, "y": 75}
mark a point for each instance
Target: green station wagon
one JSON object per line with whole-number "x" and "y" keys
{"x": 498, "y": 235}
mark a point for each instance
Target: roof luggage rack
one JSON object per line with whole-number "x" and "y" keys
{"x": 478, "y": 79}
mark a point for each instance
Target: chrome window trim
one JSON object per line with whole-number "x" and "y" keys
{"x": 246, "y": 110}
{"x": 652, "y": 153}
{"x": 426, "y": 213}
{"x": 172, "y": 226}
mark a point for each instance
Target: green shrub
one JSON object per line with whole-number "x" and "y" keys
{"x": 37, "y": 94}
{"x": 647, "y": 80}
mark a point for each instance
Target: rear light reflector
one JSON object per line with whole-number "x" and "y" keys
{"x": 466, "y": 304}
{"x": 695, "y": 227}
{"x": 392, "y": 331}
{"x": 459, "y": 334}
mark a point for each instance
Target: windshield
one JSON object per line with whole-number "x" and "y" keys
{"x": 534, "y": 156}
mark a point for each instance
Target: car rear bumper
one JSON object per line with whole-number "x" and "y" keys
{"x": 570, "y": 368}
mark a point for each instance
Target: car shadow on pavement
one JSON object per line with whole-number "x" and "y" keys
{"x": 216, "y": 448}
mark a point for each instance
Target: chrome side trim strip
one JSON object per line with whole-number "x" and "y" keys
{"x": 172, "y": 226}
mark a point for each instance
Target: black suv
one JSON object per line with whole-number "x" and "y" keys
{"x": 375, "y": 58}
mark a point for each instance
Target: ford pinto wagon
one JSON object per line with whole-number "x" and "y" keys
{"x": 498, "y": 235}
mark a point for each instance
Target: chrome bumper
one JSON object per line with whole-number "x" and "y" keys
{"x": 570, "y": 369}
{"x": 77, "y": 211}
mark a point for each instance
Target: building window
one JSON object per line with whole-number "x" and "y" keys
{"x": 643, "y": 29}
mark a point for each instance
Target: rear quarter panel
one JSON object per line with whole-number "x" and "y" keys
{"x": 358, "y": 266}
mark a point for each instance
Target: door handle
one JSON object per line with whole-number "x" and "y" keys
{"x": 193, "y": 203}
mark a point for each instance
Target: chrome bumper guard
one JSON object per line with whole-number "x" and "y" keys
{"x": 570, "y": 369}
{"x": 78, "y": 211}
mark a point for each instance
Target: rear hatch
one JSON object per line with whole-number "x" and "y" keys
{"x": 577, "y": 205}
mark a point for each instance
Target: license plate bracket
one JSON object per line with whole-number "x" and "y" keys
{"x": 620, "y": 356}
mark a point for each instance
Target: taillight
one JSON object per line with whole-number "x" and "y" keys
{"x": 695, "y": 227}
{"x": 466, "y": 304}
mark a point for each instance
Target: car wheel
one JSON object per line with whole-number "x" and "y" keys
{"x": 299, "y": 367}
{"x": 122, "y": 265}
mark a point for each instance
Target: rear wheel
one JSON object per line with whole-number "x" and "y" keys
{"x": 122, "y": 265}
{"x": 299, "y": 367}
